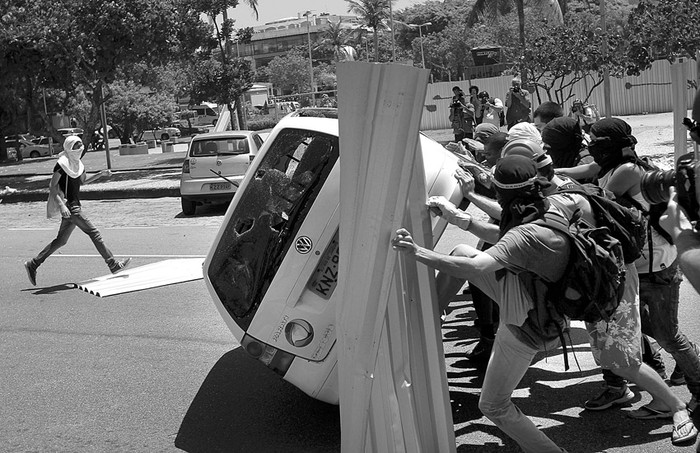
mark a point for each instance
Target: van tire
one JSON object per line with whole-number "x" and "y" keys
{"x": 188, "y": 207}
{"x": 34, "y": 154}
{"x": 213, "y": 123}
{"x": 164, "y": 137}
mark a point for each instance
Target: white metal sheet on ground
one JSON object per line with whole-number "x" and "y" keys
{"x": 153, "y": 275}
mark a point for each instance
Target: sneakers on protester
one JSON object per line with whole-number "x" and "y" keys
{"x": 119, "y": 266}
{"x": 31, "y": 271}
{"x": 609, "y": 397}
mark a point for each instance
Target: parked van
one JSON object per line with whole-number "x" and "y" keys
{"x": 206, "y": 114}
{"x": 272, "y": 270}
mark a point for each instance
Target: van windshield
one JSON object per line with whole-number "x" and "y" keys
{"x": 267, "y": 217}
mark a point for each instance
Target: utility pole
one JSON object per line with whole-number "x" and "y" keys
{"x": 606, "y": 74}
{"x": 420, "y": 34}
{"x": 46, "y": 112}
{"x": 391, "y": 25}
{"x": 103, "y": 115}
{"x": 311, "y": 62}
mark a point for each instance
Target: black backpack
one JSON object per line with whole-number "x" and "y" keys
{"x": 593, "y": 283}
{"x": 591, "y": 287}
{"x": 627, "y": 224}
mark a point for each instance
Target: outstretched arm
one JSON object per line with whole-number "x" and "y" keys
{"x": 459, "y": 266}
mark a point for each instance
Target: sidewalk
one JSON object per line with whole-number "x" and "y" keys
{"x": 151, "y": 175}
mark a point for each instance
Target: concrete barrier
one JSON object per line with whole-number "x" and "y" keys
{"x": 166, "y": 146}
{"x": 131, "y": 149}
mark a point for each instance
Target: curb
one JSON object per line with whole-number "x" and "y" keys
{"x": 25, "y": 197}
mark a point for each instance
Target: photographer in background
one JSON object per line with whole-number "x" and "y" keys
{"x": 584, "y": 114}
{"x": 687, "y": 240}
{"x": 491, "y": 109}
{"x": 517, "y": 103}
{"x": 461, "y": 115}
{"x": 677, "y": 217}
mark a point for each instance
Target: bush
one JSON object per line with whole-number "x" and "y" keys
{"x": 262, "y": 123}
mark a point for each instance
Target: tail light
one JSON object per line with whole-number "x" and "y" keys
{"x": 186, "y": 166}
{"x": 278, "y": 361}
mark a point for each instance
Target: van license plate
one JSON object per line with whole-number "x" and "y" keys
{"x": 219, "y": 186}
{"x": 325, "y": 277}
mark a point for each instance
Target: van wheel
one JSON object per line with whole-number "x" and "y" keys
{"x": 34, "y": 154}
{"x": 188, "y": 206}
{"x": 164, "y": 137}
{"x": 213, "y": 123}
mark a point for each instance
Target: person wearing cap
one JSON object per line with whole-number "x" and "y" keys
{"x": 520, "y": 246}
{"x": 491, "y": 109}
{"x": 64, "y": 199}
{"x": 517, "y": 103}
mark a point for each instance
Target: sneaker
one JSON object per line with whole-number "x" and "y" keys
{"x": 482, "y": 350}
{"x": 119, "y": 266}
{"x": 608, "y": 398}
{"x": 677, "y": 377}
{"x": 31, "y": 272}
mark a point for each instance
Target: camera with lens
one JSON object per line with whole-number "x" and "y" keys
{"x": 684, "y": 178}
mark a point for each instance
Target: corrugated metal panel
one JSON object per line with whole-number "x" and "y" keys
{"x": 649, "y": 92}
{"x": 162, "y": 273}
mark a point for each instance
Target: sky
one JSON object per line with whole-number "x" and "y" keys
{"x": 270, "y": 10}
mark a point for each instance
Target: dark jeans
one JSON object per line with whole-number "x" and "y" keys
{"x": 659, "y": 295}
{"x": 76, "y": 219}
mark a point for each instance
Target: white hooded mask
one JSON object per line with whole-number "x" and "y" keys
{"x": 69, "y": 158}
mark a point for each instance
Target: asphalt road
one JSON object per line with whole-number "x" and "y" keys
{"x": 158, "y": 370}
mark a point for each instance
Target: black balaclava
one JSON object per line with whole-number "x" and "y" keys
{"x": 613, "y": 144}
{"x": 519, "y": 191}
{"x": 563, "y": 141}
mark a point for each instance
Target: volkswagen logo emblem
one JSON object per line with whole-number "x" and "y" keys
{"x": 218, "y": 163}
{"x": 304, "y": 244}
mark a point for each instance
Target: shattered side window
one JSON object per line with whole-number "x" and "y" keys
{"x": 267, "y": 217}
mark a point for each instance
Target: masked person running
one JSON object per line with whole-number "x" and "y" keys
{"x": 64, "y": 198}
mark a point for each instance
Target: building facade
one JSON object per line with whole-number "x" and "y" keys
{"x": 276, "y": 38}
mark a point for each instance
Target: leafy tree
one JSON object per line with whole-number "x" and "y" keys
{"x": 548, "y": 64}
{"x": 373, "y": 13}
{"x": 554, "y": 9}
{"x": 662, "y": 29}
{"x": 334, "y": 37}
{"x": 78, "y": 46}
{"x": 290, "y": 72}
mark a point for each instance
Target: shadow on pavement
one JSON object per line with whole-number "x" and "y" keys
{"x": 244, "y": 407}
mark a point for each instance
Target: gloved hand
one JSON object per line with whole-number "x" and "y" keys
{"x": 444, "y": 208}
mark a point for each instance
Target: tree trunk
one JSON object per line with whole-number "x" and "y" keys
{"x": 376, "y": 46}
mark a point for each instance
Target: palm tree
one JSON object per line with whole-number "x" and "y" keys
{"x": 373, "y": 13}
{"x": 336, "y": 37}
{"x": 491, "y": 8}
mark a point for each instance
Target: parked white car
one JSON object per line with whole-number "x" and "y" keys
{"x": 214, "y": 167}
{"x": 163, "y": 133}
{"x": 40, "y": 147}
